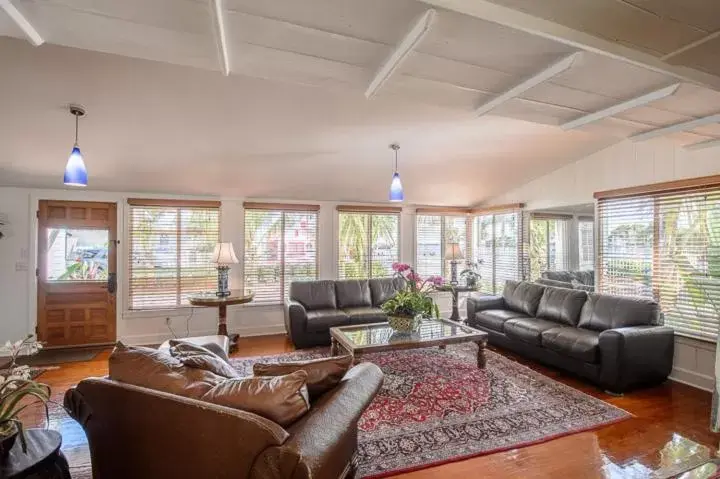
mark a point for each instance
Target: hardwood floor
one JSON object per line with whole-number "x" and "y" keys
{"x": 670, "y": 425}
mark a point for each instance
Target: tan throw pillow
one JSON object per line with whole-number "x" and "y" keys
{"x": 323, "y": 374}
{"x": 154, "y": 369}
{"x": 282, "y": 399}
{"x": 194, "y": 356}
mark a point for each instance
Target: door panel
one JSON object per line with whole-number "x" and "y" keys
{"x": 76, "y": 262}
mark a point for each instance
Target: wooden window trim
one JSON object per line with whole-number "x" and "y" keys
{"x": 368, "y": 209}
{"x": 251, "y": 205}
{"x": 510, "y": 207}
{"x": 174, "y": 203}
{"x": 664, "y": 187}
{"x": 439, "y": 211}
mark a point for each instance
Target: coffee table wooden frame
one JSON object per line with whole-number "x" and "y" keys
{"x": 338, "y": 339}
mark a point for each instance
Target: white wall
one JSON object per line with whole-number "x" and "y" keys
{"x": 622, "y": 165}
{"x": 18, "y": 258}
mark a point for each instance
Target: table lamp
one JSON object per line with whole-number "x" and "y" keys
{"x": 453, "y": 253}
{"x": 223, "y": 256}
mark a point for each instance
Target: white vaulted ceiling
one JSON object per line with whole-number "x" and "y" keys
{"x": 291, "y": 120}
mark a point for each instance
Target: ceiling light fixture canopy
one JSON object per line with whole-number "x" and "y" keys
{"x": 75, "y": 171}
{"x": 396, "y": 189}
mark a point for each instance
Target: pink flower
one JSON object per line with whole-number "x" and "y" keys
{"x": 400, "y": 267}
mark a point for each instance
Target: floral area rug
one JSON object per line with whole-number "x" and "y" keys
{"x": 437, "y": 407}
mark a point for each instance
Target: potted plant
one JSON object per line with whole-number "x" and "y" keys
{"x": 17, "y": 385}
{"x": 413, "y": 302}
{"x": 471, "y": 275}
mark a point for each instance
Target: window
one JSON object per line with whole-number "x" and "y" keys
{"x": 171, "y": 245}
{"x": 280, "y": 247}
{"x": 498, "y": 249}
{"x": 664, "y": 243}
{"x": 432, "y": 234}
{"x": 586, "y": 243}
{"x": 368, "y": 242}
{"x": 548, "y": 244}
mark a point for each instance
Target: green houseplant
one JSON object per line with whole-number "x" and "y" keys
{"x": 410, "y": 305}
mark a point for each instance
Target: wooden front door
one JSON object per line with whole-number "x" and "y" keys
{"x": 76, "y": 273}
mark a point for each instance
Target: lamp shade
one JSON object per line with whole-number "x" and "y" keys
{"x": 396, "y": 189}
{"x": 75, "y": 171}
{"x": 224, "y": 254}
{"x": 453, "y": 252}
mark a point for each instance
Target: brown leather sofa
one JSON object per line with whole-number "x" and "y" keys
{"x": 616, "y": 342}
{"x": 313, "y": 307}
{"x": 135, "y": 432}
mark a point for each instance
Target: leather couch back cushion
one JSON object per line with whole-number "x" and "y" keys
{"x": 352, "y": 292}
{"x": 562, "y": 305}
{"x": 383, "y": 289}
{"x": 155, "y": 369}
{"x": 522, "y": 296}
{"x": 314, "y": 294}
{"x": 604, "y": 311}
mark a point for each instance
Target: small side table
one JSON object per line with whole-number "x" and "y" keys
{"x": 454, "y": 290}
{"x": 221, "y": 302}
{"x": 43, "y": 459}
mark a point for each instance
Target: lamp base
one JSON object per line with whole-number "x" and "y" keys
{"x": 222, "y": 284}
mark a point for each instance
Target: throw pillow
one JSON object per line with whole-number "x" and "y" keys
{"x": 195, "y": 356}
{"x": 155, "y": 369}
{"x": 322, "y": 374}
{"x": 282, "y": 399}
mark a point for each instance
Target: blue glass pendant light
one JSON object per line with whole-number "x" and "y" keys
{"x": 396, "y": 189}
{"x": 75, "y": 171}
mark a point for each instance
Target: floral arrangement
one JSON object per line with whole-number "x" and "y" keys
{"x": 16, "y": 384}
{"x": 414, "y": 299}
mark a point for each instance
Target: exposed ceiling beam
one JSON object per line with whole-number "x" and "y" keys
{"x": 621, "y": 107}
{"x": 525, "y": 85}
{"x": 691, "y": 45}
{"x": 218, "y": 17}
{"x": 684, "y": 126}
{"x": 402, "y": 50}
{"x": 702, "y": 145}
{"x": 486, "y": 10}
{"x": 22, "y": 22}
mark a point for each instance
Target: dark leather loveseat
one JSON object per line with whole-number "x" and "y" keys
{"x": 313, "y": 307}
{"x": 616, "y": 342}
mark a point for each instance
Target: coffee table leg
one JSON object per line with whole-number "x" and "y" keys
{"x": 481, "y": 361}
{"x": 333, "y": 347}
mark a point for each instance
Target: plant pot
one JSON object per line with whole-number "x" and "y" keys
{"x": 404, "y": 324}
{"x": 7, "y": 441}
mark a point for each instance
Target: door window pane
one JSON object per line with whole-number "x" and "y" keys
{"x": 76, "y": 255}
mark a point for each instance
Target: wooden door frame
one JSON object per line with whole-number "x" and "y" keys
{"x": 80, "y": 196}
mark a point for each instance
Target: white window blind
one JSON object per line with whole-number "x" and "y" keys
{"x": 171, "y": 245}
{"x": 548, "y": 244}
{"x": 432, "y": 234}
{"x": 368, "y": 243}
{"x": 586, "y": 244}
{"x": 280, "y": 247}
{"x": 665, "y": 245}
{"x": 498, "y": 248}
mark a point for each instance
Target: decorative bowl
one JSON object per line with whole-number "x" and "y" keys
{"x": 404, "y": 324}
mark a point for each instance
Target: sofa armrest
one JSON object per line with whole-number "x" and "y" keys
{"x": 139, "y": 432}
{"x": 634, "y": 356}
{"x": 295, "y": 317}
{"x": 479, "y": 302}
{"x": 322, "y": 443}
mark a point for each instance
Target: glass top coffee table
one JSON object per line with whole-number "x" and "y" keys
{"x": 377, "y": 337}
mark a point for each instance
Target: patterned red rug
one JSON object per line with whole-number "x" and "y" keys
{"x": 437, "y": 407}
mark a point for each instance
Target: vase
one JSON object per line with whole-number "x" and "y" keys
{"x": 7, "y": 441}
{"x": 404, "y": 324}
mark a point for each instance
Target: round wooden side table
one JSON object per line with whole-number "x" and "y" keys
{"x": 43, "y": 459}
{"x": 211, "y": 300}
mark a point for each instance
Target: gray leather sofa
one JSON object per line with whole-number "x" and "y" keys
{"x": 313, "y": 307}
{"x": 616, "y": 342}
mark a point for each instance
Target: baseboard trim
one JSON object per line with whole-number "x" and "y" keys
{"x": 692, "y": 378}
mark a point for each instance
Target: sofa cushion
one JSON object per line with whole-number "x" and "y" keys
{"x": 577, "y": 343}
{"x": 528, "y": 330}
{"x": 352, "y": 292}
{"x": 322, "y": 374}
{"x": 562, "y": 305}
{"x": 324, "y": 319}
{"x": 604, "y": 311}
{"x": 365, "y": 315}
{"x": 314, "y": 294}
{"x": 382, "y": 289}
{"x": 522, "y": 296}
{"x": 495, "y": 318}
